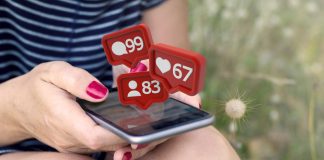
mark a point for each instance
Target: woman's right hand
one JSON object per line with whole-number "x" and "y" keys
{"x": 41, "y": 104}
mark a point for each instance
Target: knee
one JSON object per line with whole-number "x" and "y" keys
{"x": 209, "y": 142}
{"x": 204, "y": 144}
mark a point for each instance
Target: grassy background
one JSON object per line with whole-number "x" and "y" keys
{"x": 269, "y": 54}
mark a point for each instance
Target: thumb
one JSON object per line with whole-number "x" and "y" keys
{"x": 117, "y": 71}
{"x": 121, "y": 69}
{"x": 74, "y": 80}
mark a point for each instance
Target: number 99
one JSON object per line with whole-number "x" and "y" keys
{"x": 136, "y": 43}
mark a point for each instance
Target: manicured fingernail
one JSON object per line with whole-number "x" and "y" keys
{"x": 96, "y": 90}
{"x": 127, "y": 156}
{"x": 139, "y": 68}
{"x": 140, "y": 146}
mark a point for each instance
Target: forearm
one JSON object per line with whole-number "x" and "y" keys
{"x": 169, "y": 23}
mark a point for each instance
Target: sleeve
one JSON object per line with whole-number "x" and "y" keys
{"x": 148, "y": 4}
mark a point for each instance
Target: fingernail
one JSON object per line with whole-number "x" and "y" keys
{"x": 127, "y": 156}
{"x": 140, "y": 146}
{"x": 96, "y": 90}
{"x": 139, "y": 68}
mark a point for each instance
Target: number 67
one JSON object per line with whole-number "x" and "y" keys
{"x": 178, "y": 74}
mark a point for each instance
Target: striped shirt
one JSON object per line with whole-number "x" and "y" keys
{"x": 33, "y": 32}
{"x": 37, "y": 31}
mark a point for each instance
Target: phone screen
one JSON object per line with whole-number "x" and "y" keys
{"x": 138, "y": 122}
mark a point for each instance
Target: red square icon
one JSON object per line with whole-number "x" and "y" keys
{"x": 140, "y": 89}
{"x": 178, "y": 69}
{"x": 127, "y": 46}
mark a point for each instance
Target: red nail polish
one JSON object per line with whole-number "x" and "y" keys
{"x": 96, "y": 90}
{"x": 127, "y": 156}
{"x": 139, "y": 68}
{"x": 140, "y": 146}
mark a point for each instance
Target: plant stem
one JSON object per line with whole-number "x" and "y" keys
{"x": 311, "y": 133}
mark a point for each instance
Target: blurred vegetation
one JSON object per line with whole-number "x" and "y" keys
{"x": 270, "y": 55}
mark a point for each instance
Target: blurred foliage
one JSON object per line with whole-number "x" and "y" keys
{"x": 269, "y": 54}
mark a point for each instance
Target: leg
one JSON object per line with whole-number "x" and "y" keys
{"x": 42, "y": 156}
{"x": 203, "y": 144}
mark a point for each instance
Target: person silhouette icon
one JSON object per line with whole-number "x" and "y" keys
{"x": 134, "y": 93}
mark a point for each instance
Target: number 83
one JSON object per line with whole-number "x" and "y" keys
{"x": 147, "y": 87}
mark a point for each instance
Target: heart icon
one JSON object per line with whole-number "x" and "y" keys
{"x": 163, "y": 64}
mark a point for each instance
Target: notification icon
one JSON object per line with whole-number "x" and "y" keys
{"x": 140, "y": 89}
{"x": 127, "y": 46}
{"x": 178, "y": 69}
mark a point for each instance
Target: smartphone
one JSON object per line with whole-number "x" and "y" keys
{"x": 139, "y": 126}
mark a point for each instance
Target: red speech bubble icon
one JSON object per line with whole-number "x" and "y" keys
{"x": 127, "y": 46}
{"x": 140, "y": 89}
{"x": 177, "y": 69}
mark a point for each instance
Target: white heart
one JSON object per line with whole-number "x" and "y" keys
{"x": 163, "y": 64}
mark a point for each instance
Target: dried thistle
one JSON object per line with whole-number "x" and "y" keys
{"x": 235, "y": 108}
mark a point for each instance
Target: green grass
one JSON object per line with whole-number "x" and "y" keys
{"x": 271, "y": 54}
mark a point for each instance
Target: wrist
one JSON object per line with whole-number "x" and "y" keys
{"x": 11, "y": 130}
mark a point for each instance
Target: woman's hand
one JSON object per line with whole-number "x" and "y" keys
{"x": 41, "y": 104}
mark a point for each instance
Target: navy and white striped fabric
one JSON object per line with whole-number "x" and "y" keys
{"x": 32, "y": 32}
{"x": 37, "y": 31}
